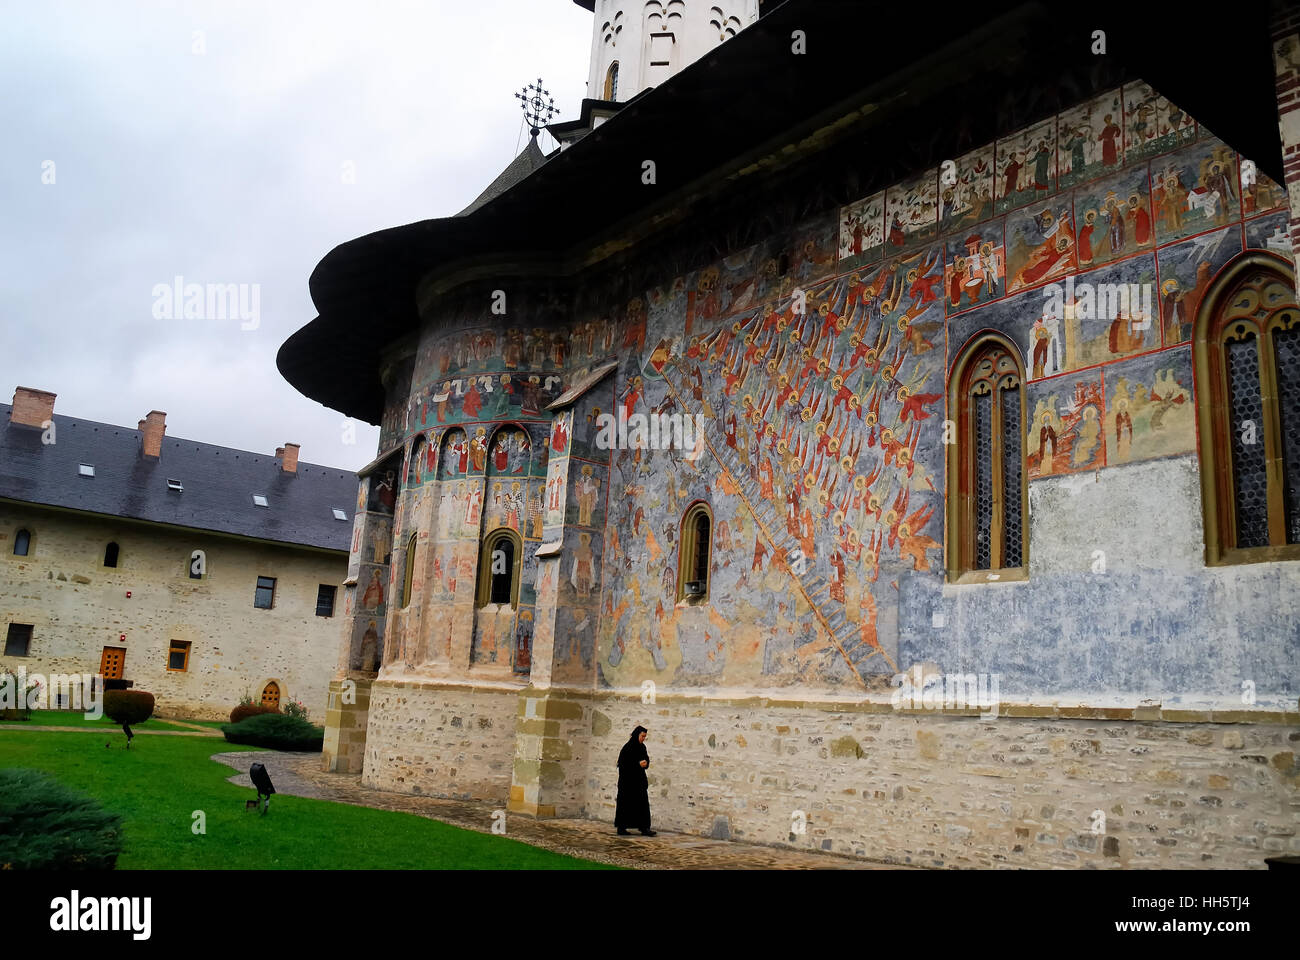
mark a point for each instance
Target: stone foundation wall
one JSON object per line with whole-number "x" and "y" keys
{"x": 963, "y": 791}
{"x": 441, "y": 740}
{"x": 1052, "y": 787}
{"x": 345, "y": 727}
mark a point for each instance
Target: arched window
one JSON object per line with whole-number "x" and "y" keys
{"x": 409, "y": 573}
{"x": 695, "y": 548}
{"x": 22, "y": 543}
{"x": 987, "y": 498}
{"x": 611, "y": 82}
{"x": 110, "y": 555}
{"x": 415, "y": 465}
{"x": 1247, "y": 353}
{"x": 499, "y": 566}
{"x": 271, "y": 695}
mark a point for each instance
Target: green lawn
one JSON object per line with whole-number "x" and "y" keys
{"x": 159, "y": 783}
{"x": 75, "y": 718}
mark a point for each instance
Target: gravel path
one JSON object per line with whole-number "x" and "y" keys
{"x": 299, "y": 775}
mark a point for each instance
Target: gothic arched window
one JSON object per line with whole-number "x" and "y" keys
{"x": 987, "y": 497}
{"x": 611, "y": 82}
{"x": 22, "y": 542}
{"x": 1247, "y": 351}
{"x": 499, "y": 566}
{"x": 695, "y": 548}
{"x": 409, "y": 574}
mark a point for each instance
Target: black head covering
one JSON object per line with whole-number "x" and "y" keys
{"x": 637, "y": 732}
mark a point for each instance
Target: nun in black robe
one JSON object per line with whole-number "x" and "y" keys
{"x": 633, "y": 805}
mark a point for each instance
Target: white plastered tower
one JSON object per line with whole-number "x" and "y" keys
{"x": 635, "y": 45}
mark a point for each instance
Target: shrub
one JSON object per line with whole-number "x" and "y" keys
{"x": 276, "y": 731}
{"x": 295, "y": 708}
{"x": 47, "y": 826}
{"x": 128, "y": 706}
{"x": 246, "y": 710}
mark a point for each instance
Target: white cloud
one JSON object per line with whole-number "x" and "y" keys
{"x": 224, "y": 168}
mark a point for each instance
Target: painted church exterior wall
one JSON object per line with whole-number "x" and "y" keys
{"x": 822, "y": 464}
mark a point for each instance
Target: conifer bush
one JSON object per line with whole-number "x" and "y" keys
{"x": 276, "y": 731}
{"x": 128, "y": 706}
{"x": 47, "y": 826}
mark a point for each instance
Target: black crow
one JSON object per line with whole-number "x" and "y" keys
{"x": 262, "y": 781}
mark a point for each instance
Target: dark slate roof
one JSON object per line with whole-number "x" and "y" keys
{"x": 219, "y": 483}
{"x": 529, "y": 159}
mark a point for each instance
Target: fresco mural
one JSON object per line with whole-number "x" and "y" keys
{"x": 1090, "y": 140}
{"x": 862, "y": 231}
{"x": 1110, "y": 312}
{"x": 1026, "y": 166}
{"x": 1194, "y": 189}
{"x": 1152, "y": 124}
{"x": 1065, "y": 425}
{"x": 966, "y": 194}
{"x": 1114, "y": 218}
{"x": 1149, "y": 409}
{"x": 975, "y": 268}
{"x": 817, "y": 361}
{"x": 1258, "y": 192}
{"x": 1269, "y": 232}
{"x": 911, "y": 213}
{"x": 1040, "y": 245}
{"x": 1186, "y": 271}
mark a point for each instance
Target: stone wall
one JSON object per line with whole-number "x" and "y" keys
{"x": 1191, "y": 635}
{"x": 963, "y": 791}
{"x": 441, "y": 739}
{"x": 77, "y": 607}
{"x": 346, "y": 721}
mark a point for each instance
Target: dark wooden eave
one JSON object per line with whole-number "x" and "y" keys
{"x": 930, "y": 94}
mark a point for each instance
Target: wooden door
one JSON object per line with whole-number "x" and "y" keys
{"x": 112, "y": 662}
{"x": 271, "y": 695}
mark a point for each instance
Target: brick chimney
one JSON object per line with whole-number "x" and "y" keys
{"x": 154, "y": 426}
{"x": 289, "y": 459}
{"x": 32, "y": 408}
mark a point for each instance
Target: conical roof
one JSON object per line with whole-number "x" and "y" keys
{"x": 529, "y": 159}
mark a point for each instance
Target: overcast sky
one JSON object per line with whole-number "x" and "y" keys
{"x": 212, "y": 141}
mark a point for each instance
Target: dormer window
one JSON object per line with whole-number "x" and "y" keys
{"x": 175, "y": 485}
{"x": 86, "y": 469}
{"x": 259, "y": 500}
{"x": 339, "y": 514}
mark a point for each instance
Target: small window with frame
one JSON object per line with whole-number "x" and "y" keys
{"x": 695, "y": 551}
{"x": 18, "y": 640}
{"x": 264, "y": 598}
{"x": 325, "y": 600}
{"x": 178, "y": 656}
{"x": 499, "y": 567}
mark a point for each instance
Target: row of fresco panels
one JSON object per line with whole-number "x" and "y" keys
{"x": 1137, "y": 409}
{"x": 1192, "y": 188}
{"x": 484, "y": 349}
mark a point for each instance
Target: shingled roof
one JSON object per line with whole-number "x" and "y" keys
{"x": 218, "y": 483}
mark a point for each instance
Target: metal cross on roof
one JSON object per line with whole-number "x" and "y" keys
{"x": 537, "y": 111}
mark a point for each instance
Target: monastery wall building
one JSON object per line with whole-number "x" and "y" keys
{"x": 912, "y": 445}
{"x": 196, "y": 572}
